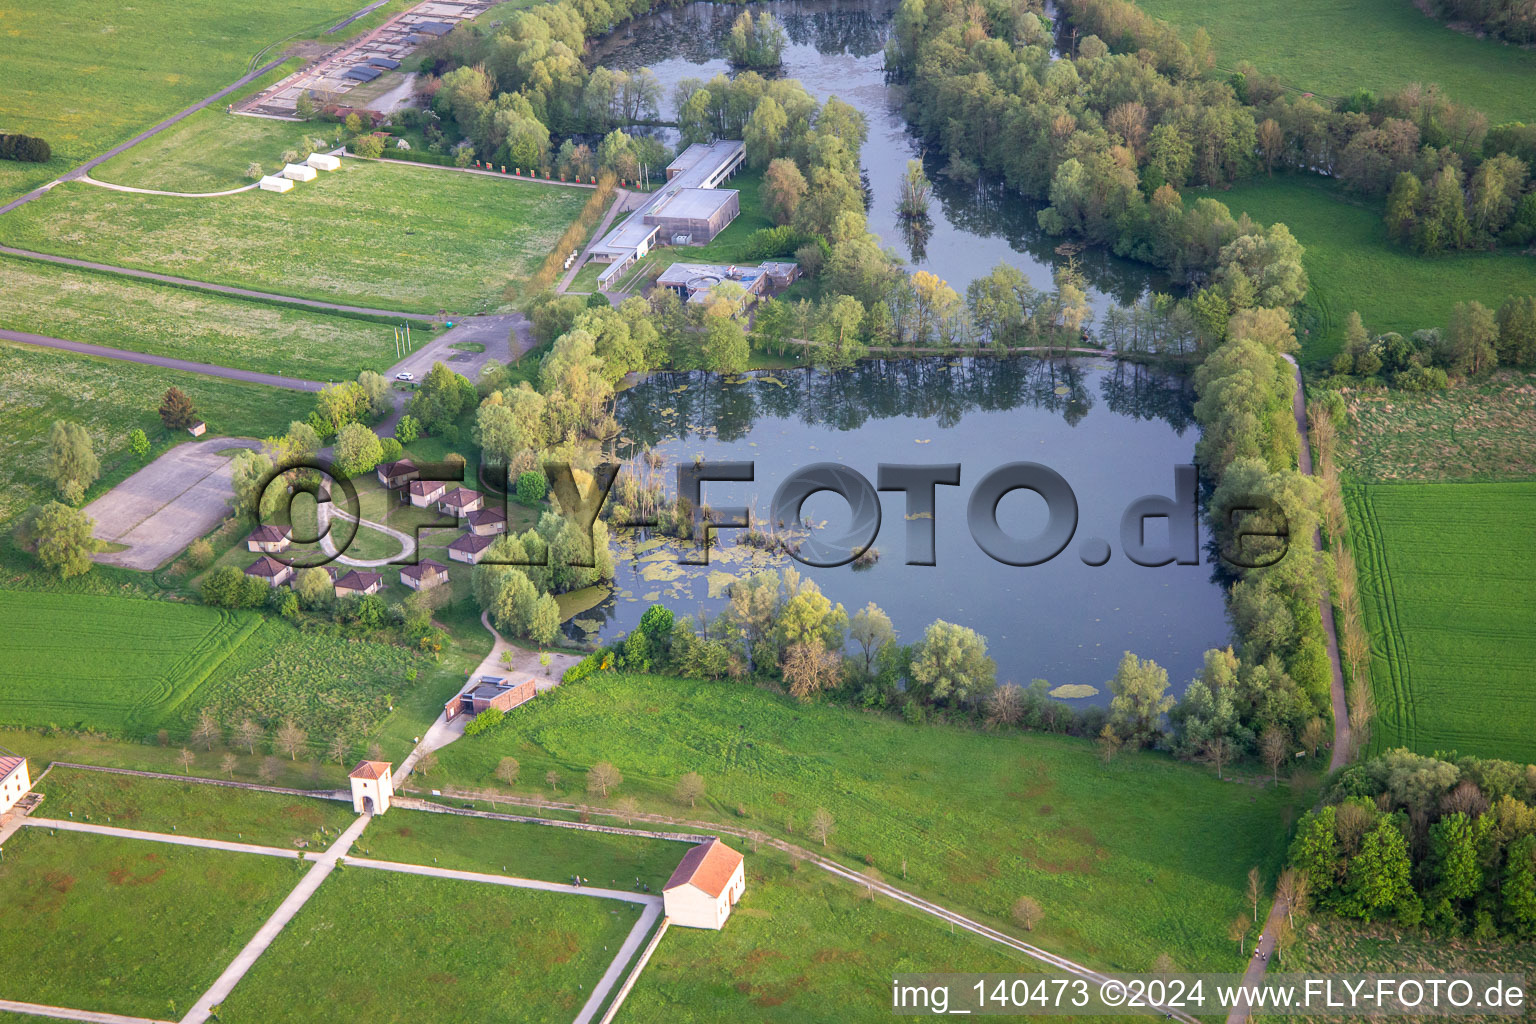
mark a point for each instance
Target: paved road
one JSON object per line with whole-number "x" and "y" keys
{"x": 64, "y": 1013}
{"x": 223, "y": 289}
{"x": 1259, "y": 962}
{"x": 247, "y": 957}
{"x": 620, "y": 201}
{"x": 166, "y": 362}
{"x": 158, "y": 192}
{"x": 171, "y": 838}
{"x": 94, "y": 162}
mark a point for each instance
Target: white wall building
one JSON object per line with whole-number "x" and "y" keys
{"x": 272, "y": 183}
{"x": 323, "y": 161}
{"x": 14, "y": 781}
{"x": 371, "y": 787}
{"x": 705, "y": 886}
{"x": 300, "y": 172}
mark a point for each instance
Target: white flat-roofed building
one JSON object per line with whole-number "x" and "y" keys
{"x": 273, "y": 183}
{"x": 300, "y": 172}
{"x": 323, "y": 161}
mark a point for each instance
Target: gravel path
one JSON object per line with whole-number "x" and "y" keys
{"x": 185, "y": 365}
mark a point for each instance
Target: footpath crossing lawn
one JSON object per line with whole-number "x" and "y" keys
{"x": 204, "y": 327}
{"x": 383, "y": 235}
{"x": 377, "y": 947}
{"x": 86, "y": 75}
{"x": 193, "y": 809}
{"x": 127, "y": 926}
{"x": 211, "y": 151}
{"x": 1448, "y": 582}
{"x": 1335, "y": 47}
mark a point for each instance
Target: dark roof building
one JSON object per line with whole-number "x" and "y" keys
{"x": 487, "y": 521}
{"x": 359, "y": 582}
{"x": 424, "y": 575}
{"x": 470, "y": 548}
{"x": 269, "y": 569}
{"x": 362, "y": 73}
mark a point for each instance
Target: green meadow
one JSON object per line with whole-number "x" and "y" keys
{"x": 86, "y": 75}
{"x": 376, "y": 947}
{"x": 205, "y": 327}
{"x": 210, "y": 151}
{"x": 1335, "y": 47}
{"x": 1353, "y": 265}
{"x": 1129, "y": 859}
{"x": 126, "y": 926}
{"x": 110, "y": 399}
{"x": 1448, "y": 580}
{"x": 384, "y": 235}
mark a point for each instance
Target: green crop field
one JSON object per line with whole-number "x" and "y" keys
{"x": 126, "y": 926}
{"x": 111, "y": 398}
{"x": 204, "y": 327}
{"x": 803, "y": 947}
{"x": 545, "y": 852}
{"x": 54, "y": 648}
{"x": 1352, "y": 264}
{"x": 1131, "y": 859}
{"x": 210, "y": 151}
{"x": 1334, "y": 48}
{"x": 193, "y": 808}
{"x": 453, "y": 952}
{"x": 86, "y": 75}
{"x": 1448, "y": 580}
{"x": 384, "y": 235}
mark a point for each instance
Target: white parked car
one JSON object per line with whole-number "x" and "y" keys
{"x": 405, "y": 376}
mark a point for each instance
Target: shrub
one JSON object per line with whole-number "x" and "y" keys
{"x": 26, "y": 148}
{"x": 531, "y": 487}
{"x": 201, "y": 553}
{"x": 490, "y": 718}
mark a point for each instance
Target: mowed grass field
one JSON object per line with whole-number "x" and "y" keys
{"x": 204, "y": 327}
{"x": 1448, "y": 582}
{"x": 377, "y": 947}
{"x": 1334, "y": 47}
{"x": 193, "y": 808}
{"x": 127, "y": 926}
{"x": 1353, "y": 265}
{"x": 114, "y": 664}
{"x": 87, "y": 75}
{"x": 110, "y": 399}
{"x": 210, "y": 151}
{"x": 802, "y": 946}
{"x": 384, "y": 235}
{"x": 1131, "y": 859}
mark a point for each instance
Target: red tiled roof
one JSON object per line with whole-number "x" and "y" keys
{"x": 9, "y": 765}
{"x": 707, "y": 867}
{"x": 369, "y": 770}
{"x": 266, "y": 566}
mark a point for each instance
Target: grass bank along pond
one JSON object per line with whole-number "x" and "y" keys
{"x": 837, "y": 48}
{"x": 1115, "y": 431}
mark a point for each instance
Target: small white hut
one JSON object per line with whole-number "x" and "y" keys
{"x": 323, "y": 162}
{"x": 273, "y": 183}
{"x": 371, "y": 787}
{"x": 300, "y": 172}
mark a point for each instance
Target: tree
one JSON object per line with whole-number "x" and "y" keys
{"x": 725, "y": 344}
{"x": 1274, "y": 744}
{"x": 339, "y": 747}
{"x": 1285, "y": 938}
{"x": 228, "y": 763}
{"x": 1216, "y": 752}
{"x": 357, "y": 450}
{"x": 1473, "y": 335}
{"x": 1005, "y": 705}
{"x": 185, "y": 759}
{"x": 1453, "y": 858}
{"x": 375, "y": 390}
{"x": 552, "y": 779}
{"x": 176, "y": 410}
{"x": 544, "y": 621}
{"x": 207, "y": 729}
{"x": 1312, "y": 735}
{"x": 628, "y": 808}
{"x": 313, "y": 585}
{"x": 822, "y": 826}
{"x": 63, "y": 539}
{"x": 250, "y": 473}
{"x": 1293, "y": 890}
{"x": 1237, "y": 931}
{"x": 783, "y": 188}
{"x": 72, "y": 463}
{"x": 689, "y": 788}
{"x": 531, "y": 487}
{"x": 1109, "y": 743}
{"x": 810, "y": 668}
{"x": 602, "y": 777}
{"x": 1027, "y": 912}
{"x": 1519, "y": 888}
{"x": 1140, "y": 699}
{"x": 408, "y": 429}
{"x": 270, "y": 769}
{"x": 507, "y": 769}
{"x": 138, "y": 444}
{"x": 427, "y": 763}
{"x": 951, "y": 662}
{"x": 249, "y": 733}
{"x": 291, "y": 739}
{"x": 1255, "y": 891}
{"x": 1377, "y": 879}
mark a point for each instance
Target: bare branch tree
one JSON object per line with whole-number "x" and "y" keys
{"x": 603, "y": 777}
{"x": 689, "y": 788}
{"x": 507, "y": 769}
{"x": 1237, "y": 932}
{"x": 250, "y": 734}
{"x": 291, "y": 739}
{"x": 822, "y": 825}
{"x": 1027, "y": 912}
{"x": 1255, "y": 890}
{"x": 207, "y": 730}
{"x": 227, "y": 764}
{"x": 185, "y": 759}
{"x": 338, "y": 749}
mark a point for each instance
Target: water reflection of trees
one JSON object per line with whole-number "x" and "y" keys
{"x": 697, "y": 33}
{"x": 682, "y": 405}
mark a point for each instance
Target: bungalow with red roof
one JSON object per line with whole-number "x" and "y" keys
{"x": 423, "y": 493}
{"x": 357, "y": 583}
{"x": 425, "y": 575}
{"x": 397, "y": 474}
{"x": 486, "y": 522}
{"x": 460, "y": 501}
{"x": 470, "y": 548}
{"x": 270, "y": 571}
{"x": 14, "y": 780}
{"x": 708, "y": 882}
{"x": 269, "y": 538}
{"x": 372, "y": 787}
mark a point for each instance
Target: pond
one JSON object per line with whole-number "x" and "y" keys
{"x": 838, "y": 48}
{"x": 1114, "y": 430}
